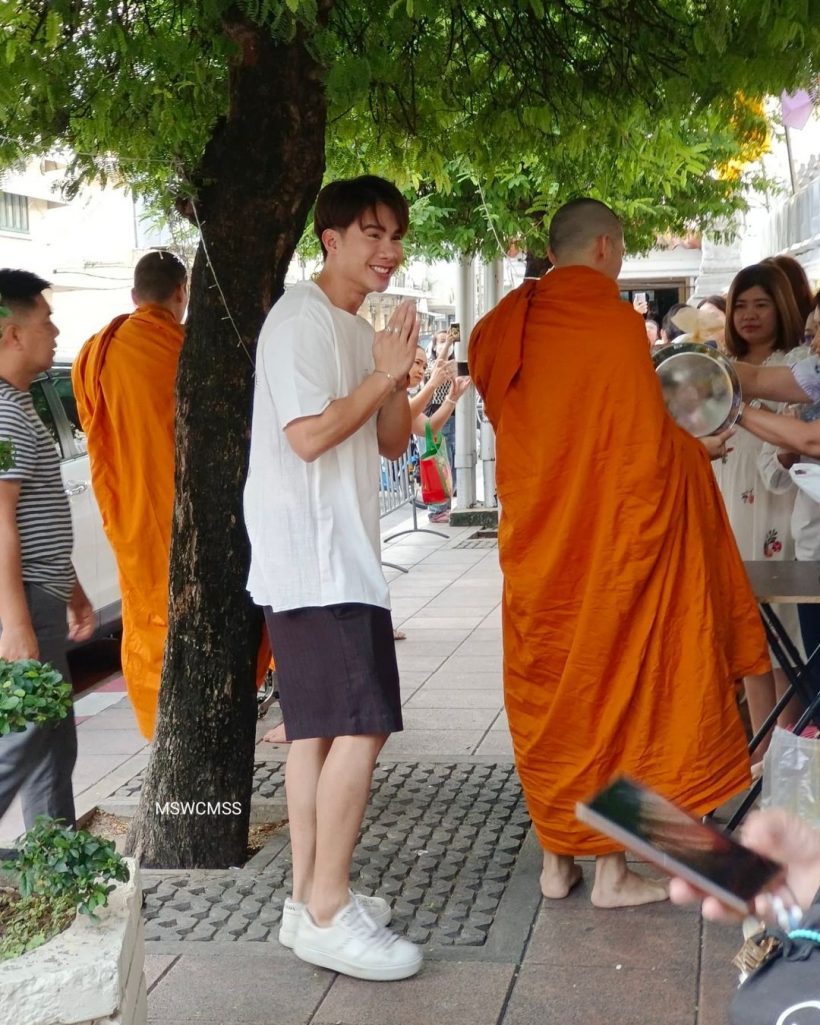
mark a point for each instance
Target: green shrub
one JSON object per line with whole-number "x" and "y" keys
{"x": 28, "y": 922}
{"x": 31, "y": 692}
{"x": 59, "y": 872}
{"x": 6, "y": 453}
{"x": 55, "y": 862}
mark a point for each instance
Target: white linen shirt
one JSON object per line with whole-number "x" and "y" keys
{"x": 313, "y": 527}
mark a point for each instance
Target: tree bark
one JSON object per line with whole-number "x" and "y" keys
{"x": 259, "y": 175}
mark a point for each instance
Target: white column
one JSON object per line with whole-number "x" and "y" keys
{"x": 466, "y": 455}
{"x": 493, "y": 289}
{"x": 493, "y": 283}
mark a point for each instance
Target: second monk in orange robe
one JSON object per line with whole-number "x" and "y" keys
{"x": 627, "y": 614}
{"x": 124, "y": 381}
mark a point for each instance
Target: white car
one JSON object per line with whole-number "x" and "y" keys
{"x": 93, "y": 558}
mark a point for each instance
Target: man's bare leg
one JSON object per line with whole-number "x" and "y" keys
{"x": 616, "y": 886}
{"x": 559, "y": 875}
{"x": 794, "y": 709}
{"x": 760, "y": 700}
{"x": 341, "y": 798}
{"x": 302, "y": 772}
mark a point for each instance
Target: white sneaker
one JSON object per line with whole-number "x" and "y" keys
{"x": 377, "y": 907}
{"x": 354, "y": 945}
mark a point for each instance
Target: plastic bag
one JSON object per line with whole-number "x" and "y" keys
{"x": 434, "y": 469}
{"x": 791, "y": 775}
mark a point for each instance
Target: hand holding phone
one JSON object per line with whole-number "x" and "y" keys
{"x": 665, "y": 835}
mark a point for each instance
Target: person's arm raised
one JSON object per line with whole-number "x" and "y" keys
{"x": 396, "y": 350}
{"x": 393, "y": 352}
{"x": 777, "y": 384}
{"x": 442, "y": 370}
{"x": 783, "y": 431}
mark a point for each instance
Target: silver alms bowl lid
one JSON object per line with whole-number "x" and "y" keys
{"x": 700, "y": 387}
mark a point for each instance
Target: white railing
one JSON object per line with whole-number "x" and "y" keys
{"x": 397, "y": 487}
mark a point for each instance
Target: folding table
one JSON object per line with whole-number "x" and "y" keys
{"x": 784, "y": 583}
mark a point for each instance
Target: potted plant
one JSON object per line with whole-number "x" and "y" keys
{"x": 58, "y": 966}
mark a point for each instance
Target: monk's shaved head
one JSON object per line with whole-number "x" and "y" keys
{"x": 587, "y": 232}
{"x": 578, "y": 223}
{"x": 157, "y": 276}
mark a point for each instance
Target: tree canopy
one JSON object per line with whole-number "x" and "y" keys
{"x": 233, "y": 110}
{"x": 478, "y": 112}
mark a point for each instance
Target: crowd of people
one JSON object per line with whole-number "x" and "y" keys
{"x": 627, "y": 613}
{"x": 768, "y": 319}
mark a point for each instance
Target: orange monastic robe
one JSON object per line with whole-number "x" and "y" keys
{"x": 124, "y": 381}
{"x": 627, "y": 614}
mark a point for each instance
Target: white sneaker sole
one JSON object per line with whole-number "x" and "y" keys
{"x": 383, "y": 973}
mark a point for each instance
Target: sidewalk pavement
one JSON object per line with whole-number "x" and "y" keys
{"x": 446, "y": 838}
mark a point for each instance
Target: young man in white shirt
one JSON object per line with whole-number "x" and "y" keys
{"x": 330, "y": 397}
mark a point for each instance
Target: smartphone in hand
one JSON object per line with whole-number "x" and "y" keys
{"x": 667, "y": 836}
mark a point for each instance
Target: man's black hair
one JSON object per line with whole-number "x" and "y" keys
{"x": 341, "y": 203}
{"x": 19, "y": 289}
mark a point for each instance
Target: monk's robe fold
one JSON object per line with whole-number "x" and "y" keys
{"x": 627, "y": 614}
{"x": 124, "y": 381}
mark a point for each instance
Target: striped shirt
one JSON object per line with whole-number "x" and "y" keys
{"x": 43, "y": 512}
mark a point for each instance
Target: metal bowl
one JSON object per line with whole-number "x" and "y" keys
{"x": 700, "y": 387}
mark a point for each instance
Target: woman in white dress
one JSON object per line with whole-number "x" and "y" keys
{"x": 763, "y": 327}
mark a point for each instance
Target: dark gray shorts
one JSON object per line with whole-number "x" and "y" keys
{"x": 337, "y": 670}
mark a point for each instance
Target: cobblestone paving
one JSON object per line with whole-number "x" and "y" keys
{"x": 440, "y": 842}
{"x": 267, "y": 783}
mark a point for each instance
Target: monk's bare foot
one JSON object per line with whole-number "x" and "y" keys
{"x": 559, "y": 875}
{"x": 276, "y": 735}
{"x": 616, "y": 886}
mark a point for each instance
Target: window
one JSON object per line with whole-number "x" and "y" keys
{"x": 61, "y": 380}
{"x": 13, "y": 213}
{"x": 44, "y": 412}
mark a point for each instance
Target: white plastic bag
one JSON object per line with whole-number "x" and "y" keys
{"x": 791, "y": 775}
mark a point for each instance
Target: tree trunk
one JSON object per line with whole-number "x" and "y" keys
{"x": 260, "y": 173}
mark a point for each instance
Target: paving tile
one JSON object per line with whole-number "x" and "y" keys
{"x": 155, "y": 966}
{"x": 418, "y": 743}
{"x": 11, "y": 824}
{"x": 715, "y": 994}
{"x": 466, "y": 993}
{"x": 238, "y": 988}
{"x": 433, "y": 697}
{"x": 496, "y": 744}
{"x": 606, "y": 996}
{"x": 448, "y": 719}
{"x": 91, "y": 704}
{"x": 115, "y": 718}
{"x": 95, "y": 740}
{"x": 431, "y": 642}
{"x": 459, "y": 663}
{"x": 419, "y": 663}
{"x": 442, "y": 622}
{"x": 631, "y": 937}
{"x": 719, "y": 977}
{"x": 91, "y": 768}
{"x": 466, "y": 681}
{"x": 500, "y": 723}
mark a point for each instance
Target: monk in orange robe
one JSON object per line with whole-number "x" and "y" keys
{"x": 124, "y": 381}
{"x": 627, "y": 614}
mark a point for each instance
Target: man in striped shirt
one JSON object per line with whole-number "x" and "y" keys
{"x": 41, "y": 599}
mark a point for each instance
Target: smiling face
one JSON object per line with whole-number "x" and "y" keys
{"x": 365, "y": 255}
{"x": 754, "y": 317}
